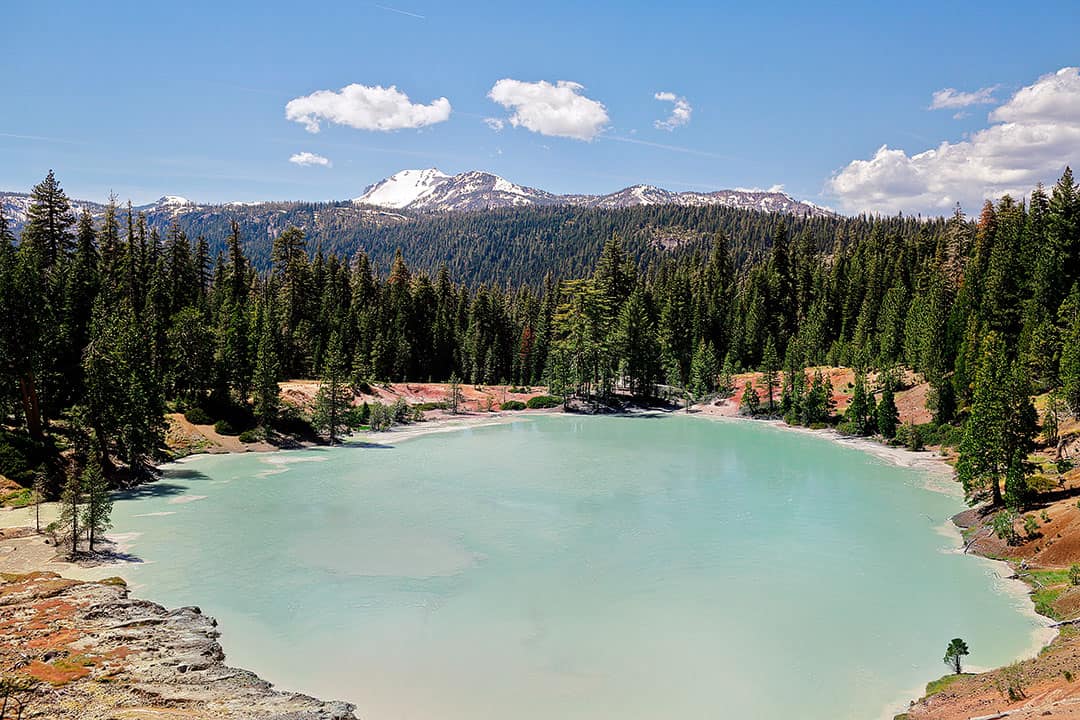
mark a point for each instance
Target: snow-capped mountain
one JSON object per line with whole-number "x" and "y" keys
{"x": 428, "y": 190}
{"x": 433, "y": 190}
{"x": 15, "y": 207}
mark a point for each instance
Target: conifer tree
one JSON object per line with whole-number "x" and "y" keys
{"x": 770, "y": 366}
{"x": 887, "y": 416}
{"x": 860, "y": 412}
{"x": 453, "y": 394}
{"x": 703, "y": 369}
{"x": 68, "y": 525}
{"x": 751, "y": 403}
{"x": 1001, "y": 427}
{"x": 265, "y": 379}
{"x": 333, "y": 397}
{"x": 41, "y": 492}
{"x": 49, "y": 222}
{"x": 637, "y": 346}
{"x": 1069, "y": 370}
{"x": 97, "y": 512}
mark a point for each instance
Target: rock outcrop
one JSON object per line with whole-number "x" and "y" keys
{"x": 92, "y": 651}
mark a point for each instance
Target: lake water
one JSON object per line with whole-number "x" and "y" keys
{"x": 567, "y": 567}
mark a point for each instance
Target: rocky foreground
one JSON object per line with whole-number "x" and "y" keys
{"x": 91, "y": 651}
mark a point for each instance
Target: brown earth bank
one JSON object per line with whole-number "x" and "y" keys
{"x": 1047, "y": 685}
{"x": 184, "y": 437}
{"x": 88, "y": 650}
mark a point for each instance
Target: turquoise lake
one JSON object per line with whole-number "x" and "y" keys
{"x": 569, "y": 567}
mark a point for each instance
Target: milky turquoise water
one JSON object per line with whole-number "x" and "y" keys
{"x": 561, "y": 567}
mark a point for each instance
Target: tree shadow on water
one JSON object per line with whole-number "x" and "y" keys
{"x": 366, "y": 445}
{"x": 156, "y": 489}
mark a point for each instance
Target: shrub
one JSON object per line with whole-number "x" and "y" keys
{"x": 1010, "y": 682}
{"x": 250, "y": 436}
{"x": 910, "y": 436}
{"x": 1067, "y": 674}
{"x": 290, "y": 421}
{"x": 224, "y": 427}
{"x": 425, "y": 406}
{"x": 1031, "y": 526}
{"x": 400, "y": 411}
{"x": 847, "y": 428}
{"x": 541, "y": 402}
{"x": 512, "y": 405}
{"x": 1039, "y": 483}
{"x": 519, "y": 390}
{"x": 381, "y": 417}
{"x": 1002, "y": 525}
{"x": 197, "y": 416}
{"x": 1074, "y": 574}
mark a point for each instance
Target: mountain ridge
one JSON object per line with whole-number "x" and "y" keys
{"x": 431, "y": 190}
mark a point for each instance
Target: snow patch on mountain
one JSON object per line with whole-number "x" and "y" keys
{"x": 432, "y": 190}
{"x": 403, "y": 189}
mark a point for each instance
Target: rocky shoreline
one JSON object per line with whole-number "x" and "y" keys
{"x": 94, "y": 652}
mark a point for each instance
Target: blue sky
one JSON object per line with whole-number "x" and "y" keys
{"x": 147, "y": 99}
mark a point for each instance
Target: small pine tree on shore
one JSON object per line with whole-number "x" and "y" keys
{"x": 751, "y": 403}
{"x": 68, "y": 526}
{"x": 453, "y": 395}
{"x": 332, "y": 399}
{"x": 956, "y": 650}
{"x": 888, "y": 417}
{"x": 97, "y": 512}
{"x": 264, "y": 380}
{"x": 703, "y": 369}
{"x": 770, "y": 366}
{"x": 860, "y": 411}
{"x": 41, "y": 490}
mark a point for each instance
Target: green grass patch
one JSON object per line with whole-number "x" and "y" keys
{"x": 19, "y": 498}
{"x": 1047, "y": 587}
{"x": 935, "y": 686}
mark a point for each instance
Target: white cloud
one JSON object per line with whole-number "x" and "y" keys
{"x": 365, "y": 108}
{"x": 951, "y": 98}
{"x": 1030, "y": 139}
{"x": 494, "y": 123}
{"x": 308, "y": 159}
{"x": 559, "y": 110}
{"x": 680, "y": 114}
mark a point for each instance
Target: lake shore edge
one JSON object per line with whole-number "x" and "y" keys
{"x": 941, "y": 477}
{"x": 940, "y": 474}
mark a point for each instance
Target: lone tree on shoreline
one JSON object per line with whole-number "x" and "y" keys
{"x": 956, "y": 650}
{"x": 97, "y": 514}
{"x": 453, "y": 395}
{"x": 333, "y": 397}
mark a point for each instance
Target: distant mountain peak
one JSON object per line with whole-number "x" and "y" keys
{"x": 403, "y": 188}
{"x": 434, "y": 190}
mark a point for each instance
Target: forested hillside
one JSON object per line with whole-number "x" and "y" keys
{"x": 107, "y": 322}
{"x": 511, "y": 245}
